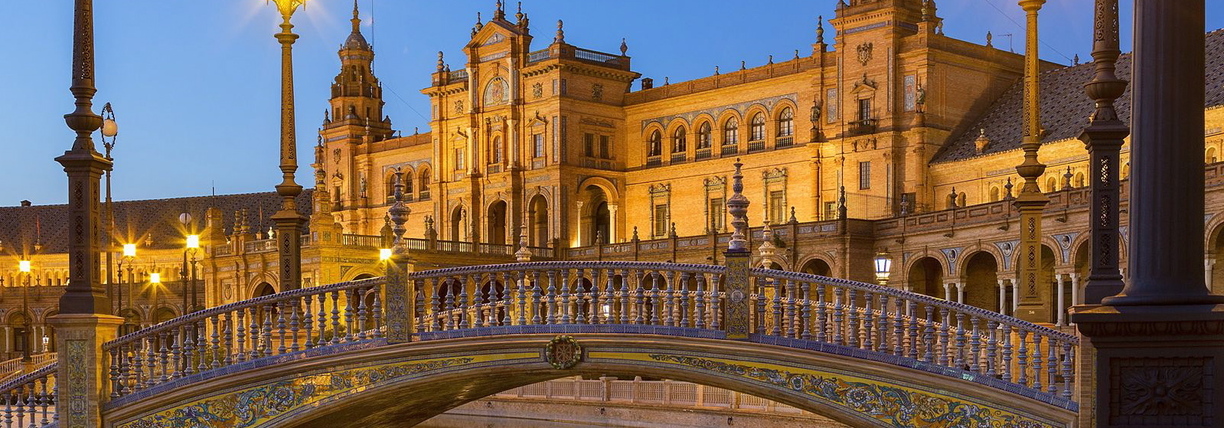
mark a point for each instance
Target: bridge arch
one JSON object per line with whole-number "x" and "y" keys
{"x": 385, "y": 385}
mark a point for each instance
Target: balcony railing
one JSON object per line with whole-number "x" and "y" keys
{"x": 702, "y": 154}
{"x": 538, "y": 56}
{"x": 756, "y": 146}
{"x": 352, "y": 240}
{"x": 862, "y": 126}
{"x": 784, "y": 142}
{"x": 730, "y": 149}
{"x": 654, "y": 161}
{"x": 679, "y": 157}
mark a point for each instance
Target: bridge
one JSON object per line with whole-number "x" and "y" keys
{"x": 408, "y": 346}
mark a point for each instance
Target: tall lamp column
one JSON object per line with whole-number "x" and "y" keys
{"x": 24, "y": 267}
{"x": 110, "y": 130}
{"x": 288, "y": 220}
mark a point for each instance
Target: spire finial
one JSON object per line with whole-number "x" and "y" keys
{"x": 356, "y": 18}
{"x": 500, "y": 11}
{"x": 441, "y": 63}
{"x": 518, "y": 16}
{"x": 478, "y": 26}
{"x": 820, "y": 29}
{"x": 560, "y": 32}
{"x": 624, "y": 47}
{"x": 989, "y": 40}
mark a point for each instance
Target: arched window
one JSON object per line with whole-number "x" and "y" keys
{"x": 679, "y": 140}
{"x": 703, "y": 136}
{"x": 424, "y": 184}
{"x": 786, "y": 122}
{"x": 757, "y": 128}
{"x": 654, "y": 145}
{"x": 994, "y": 194}
{"x": 391, "y": 188}
{"x": 1211, "y": 155}
{"x": 1051, "y": 184}
{"x": 731, "y": 132}
{"x": 408, "y": 185}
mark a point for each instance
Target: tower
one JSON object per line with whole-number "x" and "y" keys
{"x": 354, "y": 121}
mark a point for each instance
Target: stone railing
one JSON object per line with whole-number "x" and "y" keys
{"x": 225, "y": 335}
{"x": 372, "y": 241}
{"x": 30, "y": 399}
{"x": 13, "y": 367}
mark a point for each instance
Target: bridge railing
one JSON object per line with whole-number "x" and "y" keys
{"x": 904, "y": 324}
{"x": 230, "y": 334}
{"x": 29, "y": 400}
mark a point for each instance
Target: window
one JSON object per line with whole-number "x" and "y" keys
{"x": 408, "y": 184}
{"x": 588, "y": 145}
{"x": 605, "y": 147}
{"x": 718, "y": 214}
{"x": 660, "y": 221}
{"x": 864, "y": 109}
{"x": 654, "y": 145}
{"x": 830, "y": 211}
{"x": 757, "y": 127}
{"x": 777, "y": 207}
{"x": 679, "y": 140}
{"x": 731, "y": 132}
{"x": 425, "y": 184}
{"x": 864, "y": 175}
{"x": 458, "y": 159}
{"x": 786, "y": 122}
{"x": 703, "y": 136}
{"x": 390, "y": 188}
{"x": 496, "y": 151}
{"x": 537, "y": 146}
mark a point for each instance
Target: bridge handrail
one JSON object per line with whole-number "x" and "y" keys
{"x": 33, "y": 396}
{"x": 265, "y": 326}
{"x": 183, "y": 320}
{"x": 921, "y": 298}
{"x": 507, "y": 267}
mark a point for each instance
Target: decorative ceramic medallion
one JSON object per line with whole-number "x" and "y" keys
{"x": 563, "y": 352}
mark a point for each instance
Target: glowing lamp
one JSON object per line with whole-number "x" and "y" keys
{"x": 24, "y": 266}
{"x": 155, "y": 278}
{"x": 384, "y": 254}
{"x": 193, "y": 242}
{"x": 883, "y": 266}
{"x": 129, "y": 250}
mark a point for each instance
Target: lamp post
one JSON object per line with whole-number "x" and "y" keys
{"x": 288, "y": 219}
{"x": 24, "y": 267}
{"x": 129, "y": 257}
{"x": 193, "y": 247}
{"x": 155, "y": 282}
{"x": 110, "y": 130}
{"x": 883, "y": 267}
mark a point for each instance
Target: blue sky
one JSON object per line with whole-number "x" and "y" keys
{"x": 195, "y": 84}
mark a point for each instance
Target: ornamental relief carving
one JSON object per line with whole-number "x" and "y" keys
{"x": 1168, "y": 389}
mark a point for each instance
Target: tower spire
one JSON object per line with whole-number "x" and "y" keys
{"x": 356, "y": 20}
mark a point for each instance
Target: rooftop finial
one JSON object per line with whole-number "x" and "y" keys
{"x": 560, "y": 32}
{"x": 478, "y": 26}
{"x": 820, "y": 29}
{"x": 519, "y": 15}
{"x": 624, "y": 47}
{"x": 399, "y": 212}
{"x": 500, "y": 11}
{"x": 441, "y": 63}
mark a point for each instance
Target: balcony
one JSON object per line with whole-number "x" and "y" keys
{"x": 862, "y": 126}
{"x": 756, "y": 146}
{"x": 784, "y": 142}
{"x": 702, "y": 154}
{"x": 654, "y": 160}
{"x": 730, "y": 150}
{"x": 679, "y": 157}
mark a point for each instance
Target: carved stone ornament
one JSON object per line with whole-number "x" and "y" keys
{"x": 537, "y": 90}
{"x": 864, "y": 53}
{"x": 1163, "y": 389}
{"x": 563, "y": 352}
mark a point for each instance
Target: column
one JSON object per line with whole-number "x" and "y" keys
{"x": 948, "y": 291}
{"x": 578, "y": 220}
{"x": 1015, "y": 296}
{"x": 960, "y": 292}
{"x": 1062, "y": 308}
{"x": 1075, "y": 289}
{"x": 613, "y": 223}
{"x": 1208, "y": 264}
{"x": 1002, "y": 297}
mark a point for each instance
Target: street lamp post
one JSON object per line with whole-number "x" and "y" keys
{"x": 24, "y": 267}
{"x": 110, "y": 130}
{"x": 193, "y": 247}
{"x": 155, "y": 282}
{"x": 129, "y": 257}
{"x": 288, "y": 220}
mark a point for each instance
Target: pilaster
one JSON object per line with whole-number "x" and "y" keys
{"x": 81, "y": 378}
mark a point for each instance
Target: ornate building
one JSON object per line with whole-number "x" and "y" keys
{"x": 888, "y": 138}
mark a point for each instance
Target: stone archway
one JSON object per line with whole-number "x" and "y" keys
{"x": 537, "y": 215}
{"x": 458, "y": 224}
{"x": 498, "y": 232}
{"x": 925, "y": 276}
{"x": 1215, "y": 261}
{"x": 817, "y": 267}
{"x": 982, "y": 281}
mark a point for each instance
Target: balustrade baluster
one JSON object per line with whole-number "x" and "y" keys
{"x": 280, "y": 326}
{"x": 638, "y": 304}
{"x": 699, "y": 315}
{"x": 579, "y": 296}
{"x": 177, "y": 341}
{"x": 625, "y": 309}
{"x": 295, "y": 323}
{"x": 435, "y": 305}
{"x": 189, "y": 347}
{"x": 162, "y": 355}
{"x": 378, "y": 315}
{"x": 610, "y": 298}
{"x": 1068, "y": 368}
{"x": 228, "y": 334}
{"x": 868, "y": 321}
{"x": 521, "y": 284}
{"x": 822, "y": 314}
{"x": 928, "y": 335}
{"x": 655, "y": 297}
{"x": 991, "y": 343}
{"x": 43, "y": 398}
{"x": 839, "y": 317}
{"x": 421, "y": 311}
{"x": 805, "y": 312}
{"x": 881, "y": 324}
{"x": 945, "y": 355}
{"x": 8, "y": 409}
{"x": 913, "y": 328}
{"x": 506, "y": 299}
{"x": 1005, "y": 369}
{"x": 116, "y": 386}
{"x": 31, "y": 404}
{"x": 1036, "y": 361}
{"x": 1022, "y": 358}
{"x": 852, "y": 307}
{"x": 351, "y": 299}
{"x": 959, "y": 360}
{"x": 363, "y": 313}
{"x": 684, "y": 304}
{"x": 758, "y": 296}
{"x": 776, "y": 330}
{"x": 539, "y": 306}
{"x": 975, "y": 347}
{"x": 215, "y": 349}
{"x": 480, "y": 298}
{"x": 321, "y": 319}
{"x": 669, "y": 301}
{"x": 131, "y": 379}
{"x": 335, "y": 317}
{"x": 898, "y": 327}
{"x": 1052, "y": 368}
{"x": 715, "y": 304}
{"x": 464, "y": 319}
{"x": 565, "y": 307}
{"x": 308, "y": 321}
{"x": 552, "y": 298}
